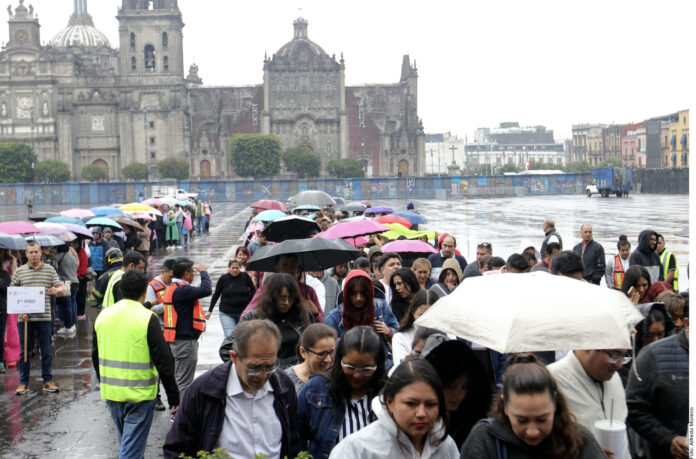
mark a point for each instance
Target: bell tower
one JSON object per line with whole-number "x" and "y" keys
{"x": 151, "y": 38}
{"x": 24, "y": 27}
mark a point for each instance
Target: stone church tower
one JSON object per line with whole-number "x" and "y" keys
{"x": 304, "y": 97}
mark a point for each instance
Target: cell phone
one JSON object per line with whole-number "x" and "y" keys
{"x": 631, "y": 291}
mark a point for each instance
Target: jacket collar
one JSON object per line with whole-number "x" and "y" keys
{"x": 216, "y": 382}
{"x": 384, "y": 418}
{"x": 683, "y": 340}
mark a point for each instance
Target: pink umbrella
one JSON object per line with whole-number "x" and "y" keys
{"x": 357, "y": 241}
{"x": 408, "y": 246}
{"x": 77, "y": 213}
{"x": 142, "y": 216}
{"x": 269, "y": 204}
{"x": 354, "y": 229}
{"x": 151, "y": 201}
{"x": 51, "y": 228}
{"x": 18, "y": 227}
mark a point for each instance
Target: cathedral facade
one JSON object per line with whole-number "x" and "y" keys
{"x": 81, "y": 101}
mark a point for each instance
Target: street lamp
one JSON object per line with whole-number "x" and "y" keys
{"x": 147, "y": 156}
{"x": 32, "y": 126}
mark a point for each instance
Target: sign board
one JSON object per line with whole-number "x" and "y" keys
{"x": 26, "y": 300}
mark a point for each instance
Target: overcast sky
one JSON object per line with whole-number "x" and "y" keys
{"x": 480, "y": 62}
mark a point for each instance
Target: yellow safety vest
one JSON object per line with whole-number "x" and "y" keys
{"x": 109, "y": 294}
{"x": 664, "y": 259}
{"x": 125, "y": 367}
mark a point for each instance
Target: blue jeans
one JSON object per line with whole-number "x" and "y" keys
{"x": 42, "y": 331}
{"x": 133, "y": 421}
{"x": 228, "y": 322}
{"x": 199, "y": 224}
{"x": 68, "y": 306}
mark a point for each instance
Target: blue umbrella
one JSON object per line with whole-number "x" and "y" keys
{"x": 269, "y": 215}
{"x": 61, "y": 219}
{"x": 45, "y": 240}
{"x": 103, "y": 221}
{"x": 306, "y": 207}
{"x": 12, "y": 242}
{"x": 414, "y": 218}
{"x": 103, "y": 211}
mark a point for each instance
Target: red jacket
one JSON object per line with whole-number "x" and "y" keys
{"x": 83, "y": 263}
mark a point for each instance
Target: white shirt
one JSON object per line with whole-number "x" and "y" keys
{"x": 251, "y": 426}
{"x": 387, "y": 291}
{"x": 319, "y": 289}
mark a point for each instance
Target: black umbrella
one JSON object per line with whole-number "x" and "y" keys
{"x": 41, "y": 216}
{"x": 353, "y": 207}
{"x": 12, "y": 242}
{"x": 315, "y": 254}
{"x": 290, "y": 227}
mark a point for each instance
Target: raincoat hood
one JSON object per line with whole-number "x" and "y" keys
{"x": 96, "y": 229}
{"x": 453, "y": 264}
{"x": 644, "y": 241}
{"x": 356, "y": 273}
{"x": 384, "y": 418}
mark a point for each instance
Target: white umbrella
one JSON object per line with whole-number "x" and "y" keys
{"x": 535, "y": 312}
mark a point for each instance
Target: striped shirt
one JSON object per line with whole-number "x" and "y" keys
{"x": 43, "y": 276}
{"x": 357, "y": 416}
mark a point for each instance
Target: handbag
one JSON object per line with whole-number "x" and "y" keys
{"x": 64, "y": 289}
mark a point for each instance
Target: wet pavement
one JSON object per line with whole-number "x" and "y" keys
{"x": 75, "y": 422}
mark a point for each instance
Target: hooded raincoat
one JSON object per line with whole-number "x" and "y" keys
{"x": 647, "y": 257}
{"x": 384, "y": 439}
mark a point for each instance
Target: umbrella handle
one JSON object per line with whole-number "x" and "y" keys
{"x": 26, "y": 330}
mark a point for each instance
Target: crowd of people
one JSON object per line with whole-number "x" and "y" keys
{"x": 332, "y": 363}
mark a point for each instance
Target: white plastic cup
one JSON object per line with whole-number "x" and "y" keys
{"x": 610, "y": 435}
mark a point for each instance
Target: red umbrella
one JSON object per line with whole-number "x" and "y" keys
{"x": 269, "y": 204}
{"x": 394, "y": 219}
{"x": 18, "y": 227}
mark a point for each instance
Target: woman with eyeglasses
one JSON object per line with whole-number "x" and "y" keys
{"x": 315, "y": 352}
{"x": 530, "y": 419}
{"x": 411, "y": 419}
{"x": 280, "y": 303}
{"x": 403, "y": 338}
{"x": 336, "y": 403}
{"x": 404, "y": 286}
{"x": 360, "y": 307}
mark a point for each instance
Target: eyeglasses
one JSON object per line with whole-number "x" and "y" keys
{"x": 261, "y": 371}
{"x": 352, "y": 369}
{"x": 324, "y": 354}
{"x": 617, "y": 358}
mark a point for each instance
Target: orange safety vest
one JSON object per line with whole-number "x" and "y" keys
{"x": 170, "y": 314}
{"x": 618, "y": 272}
{"x": 159, "y": 289}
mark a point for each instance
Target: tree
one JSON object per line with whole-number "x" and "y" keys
{"x": 610, "y": 162}
{"x": 303, "y": 161}
{"x": 255, "y": 155}
{"x": 577, "y": 167}
{"x": 15, "y": 162}
{"x": 509, "y": 167}
{"x": 535, "y": 166}
{"x": 345, "y": 168}
{"x": 93, "y": 173}
{"x": 52, "y": 171}
{"x": 175, "y": 168}
{"x": 135, "y": 171}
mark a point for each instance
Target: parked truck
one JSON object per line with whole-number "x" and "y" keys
{"x": 610, "y": 180}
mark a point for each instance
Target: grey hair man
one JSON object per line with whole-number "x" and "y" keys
{"x": 551, "y": 235}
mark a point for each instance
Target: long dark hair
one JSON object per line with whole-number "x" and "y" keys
{"x": 632, "y": 276}
{"x": 527, "y": 376}
{"x": 266, "y": 308}
{"x": 361, "y": 339}
{"x": 423, "y": 297}
{"x": 417, "y": 370}
{"x": 400, "y": 305}
{"x": 352, "y": 316}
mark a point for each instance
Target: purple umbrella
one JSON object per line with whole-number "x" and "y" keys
{"x": 379, "y": 210}
{"x": 408, "y": 246}
{"x": 79, "y": 230}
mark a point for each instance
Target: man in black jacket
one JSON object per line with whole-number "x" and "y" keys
{"x": 551, "y": 234}
{"x": 646, "y": 256}
{"x": 245, "y": 406}
{"x": 657, "y": 395}
{"x": 592, "y": 256}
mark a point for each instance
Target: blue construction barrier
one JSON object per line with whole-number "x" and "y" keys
{"x": 93, "y": 194}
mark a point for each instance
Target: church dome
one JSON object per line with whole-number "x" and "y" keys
{"x": 301, "y": 50}
{"x": 80, "y": 35}
{"x": 80, "y": 31}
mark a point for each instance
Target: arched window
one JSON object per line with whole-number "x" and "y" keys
{"x": 132, "y": 41}
{"x": 165, "y": 63}
{"x": 149, "y": 58}
{"x": 133, "y": 64}
{"x": 165, "y": 40}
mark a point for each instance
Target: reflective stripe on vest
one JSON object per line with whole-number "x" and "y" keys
{"x": 109, "y": 294}
{"x": 664, "y": 259}
{"x": 126, "y": 371}
{"x": 159, "y": 289}
{"x": 170, "y": 316}
{"x": 619, "y": 272}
